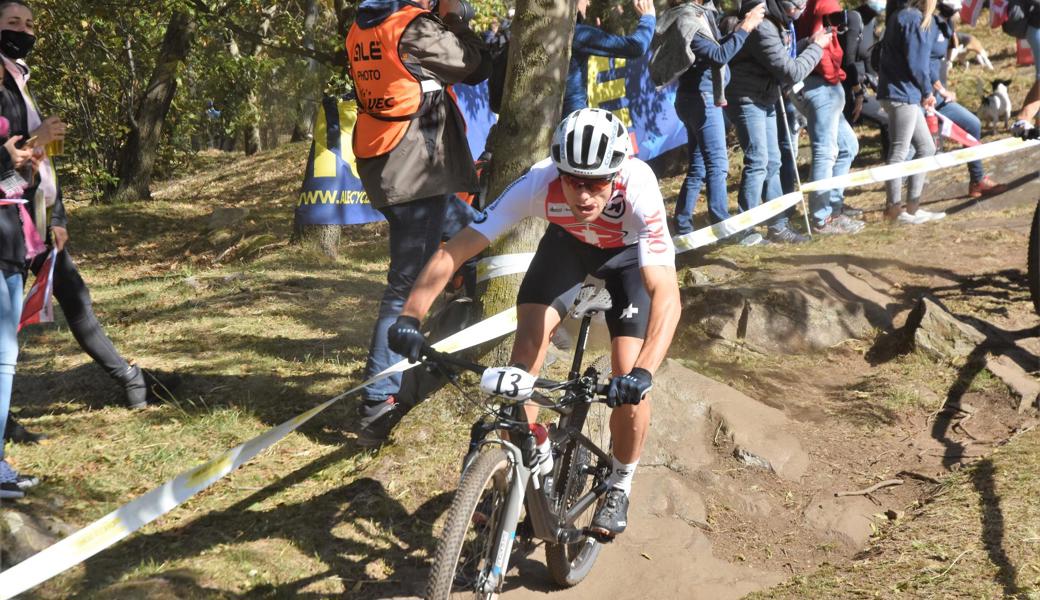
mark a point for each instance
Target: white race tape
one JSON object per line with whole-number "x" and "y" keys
{"x": 500, "y": 266}
{"x": 142, "y": 510}
{"x": 920, "y": 165}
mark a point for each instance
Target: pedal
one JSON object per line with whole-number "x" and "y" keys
{"x": 603, "y": 538}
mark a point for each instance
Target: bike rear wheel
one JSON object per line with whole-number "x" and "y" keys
{"x": 1033, "y": 262}
{"x": 570, "y": 563}
{"x": 464, "y": 554}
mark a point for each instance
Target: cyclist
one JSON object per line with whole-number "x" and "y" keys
{"x": 606, "y": 218}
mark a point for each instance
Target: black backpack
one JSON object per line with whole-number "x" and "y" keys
{"x": 1020, "y": 15}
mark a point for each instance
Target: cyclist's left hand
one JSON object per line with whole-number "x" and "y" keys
{"x": 404, "y": 338}
{"x": 629, "y": 389}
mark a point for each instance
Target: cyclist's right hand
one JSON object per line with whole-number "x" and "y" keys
{"x": 405, "y": 338}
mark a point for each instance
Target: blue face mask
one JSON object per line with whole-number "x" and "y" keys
{"x": 878, "y": 7}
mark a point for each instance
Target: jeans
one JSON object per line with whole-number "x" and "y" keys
{"x": 788, "y": 133}
{"x": 908, "y": 127}
{"x": 10, "y": 314}
{"x": 1033, "y": 39}
{"x": 970, "y": 123}
{"x": 706, "y": 135}
{"x": 416, "y": 230}
{"x": 833, "y": 142}
{"x": 756, "y": 132}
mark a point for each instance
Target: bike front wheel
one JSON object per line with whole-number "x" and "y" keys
{"x": 1033, "y": 261}
{"x": 463, "y": 560}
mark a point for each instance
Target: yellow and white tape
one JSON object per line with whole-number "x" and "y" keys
{"x": 142, "y": 510}
{"x": 920, "y": 165}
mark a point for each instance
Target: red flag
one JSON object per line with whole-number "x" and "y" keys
{"x": 950, "y": 130}
{"x": 1023, "y": 54}
{"x": 39, "y": 303}
{"x": 997, "y": 13}
{"x": 970, "y": 10}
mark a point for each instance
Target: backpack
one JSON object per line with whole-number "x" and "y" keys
{"x": 671, "y": 54}
{"x": 1021, "y": 14}
{"x": 875, "y": 56}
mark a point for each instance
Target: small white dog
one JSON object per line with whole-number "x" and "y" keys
{"x": 996, "y": 106}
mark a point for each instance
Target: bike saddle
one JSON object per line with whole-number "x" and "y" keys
{"x": 592, "y": 298}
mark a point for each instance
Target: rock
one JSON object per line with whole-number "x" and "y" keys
{"x": 694, "y": 277}
{"x": 26, "y": 535}
{"x": 941, "y": 335}
{"x": 1024, "y": 385}
{"x": 193, "y": 282}
{"x": 846, "y": 520}
{"x": 226, "y": 218}
{"x": 807, "y": 311}
{"x": 689, "y": 399}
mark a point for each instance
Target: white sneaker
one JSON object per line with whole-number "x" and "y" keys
{"x": 1020, "y": 128}
{"x": 929, "y": 215}
{"x": 906, "y": 218}
{"x": 752, "y": 239}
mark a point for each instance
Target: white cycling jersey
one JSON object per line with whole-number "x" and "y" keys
{"x": 635, "y": 213}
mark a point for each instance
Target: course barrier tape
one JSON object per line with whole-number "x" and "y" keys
{"x": 920, "y": 165}
{"x": 144, "y": 509}
{"x": 511, "y": 264}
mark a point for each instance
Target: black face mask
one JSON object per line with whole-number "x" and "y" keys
{"x": 16, "y": 44}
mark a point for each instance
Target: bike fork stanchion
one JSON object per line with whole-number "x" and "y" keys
{"x": 506, "y": 533}
{"x": 793, "y": 150}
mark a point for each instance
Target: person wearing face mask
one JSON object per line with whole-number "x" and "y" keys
{"x": 762, "y": 67}
{"x": 17, "y": 39}
{"x": 822, "y": 101}
{"x": 979, "y": 184}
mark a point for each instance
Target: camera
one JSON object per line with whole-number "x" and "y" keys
{"x": 837, "y": 21}
{"x": 465, "y": 11}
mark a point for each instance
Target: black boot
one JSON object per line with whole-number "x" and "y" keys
{"x": 144, "y": 389}
{"x": 14, "y": 432}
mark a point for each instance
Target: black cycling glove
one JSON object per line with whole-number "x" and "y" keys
{"x": 405, "y": 338}
{"x": 629, "y": 389}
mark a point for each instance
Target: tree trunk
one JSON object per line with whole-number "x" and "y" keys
{"x": 137, "y": 156}
{"x": 306, "y": 109}
{"x": 325, "y": 237}
{"x": 539, "y": 54}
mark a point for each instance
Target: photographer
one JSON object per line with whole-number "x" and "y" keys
{"x": 822, "y": 101}
{"x": 412, "y": 154}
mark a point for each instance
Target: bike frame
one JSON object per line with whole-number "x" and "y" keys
{"x": 546, "y": 524}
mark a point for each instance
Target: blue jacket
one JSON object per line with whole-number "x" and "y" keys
{"x": 905, "y": 73}
{"x": 589, "y": 41}
{"x": 939, "y": 47}
{"x": 710, "y": 53}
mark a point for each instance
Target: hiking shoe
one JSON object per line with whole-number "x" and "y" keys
{"x": 1020, "y": 128}
{"x": 929, "y": 215}
{"x": 987, "y": 186}
{"x": 611, "y": 517}
{"x": 377, "y": 420}
{"x": 851, "y": 211}
{"x": 12, "y": 482}
{"x": 14, "y": 432}
{"x": 786, "y": 235}
{"x": 849, "y": 224}
{"x": 906, "y": 218}
{"x": 839, "y": 225}
{"x": 751, "y": 239}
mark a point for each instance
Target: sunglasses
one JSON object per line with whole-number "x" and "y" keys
{"x": 593, "y": 185}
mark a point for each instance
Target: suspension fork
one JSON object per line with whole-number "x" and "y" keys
{"x": 505, "y": 536}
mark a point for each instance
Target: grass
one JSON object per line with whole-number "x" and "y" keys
{"x": 975, "y": 537}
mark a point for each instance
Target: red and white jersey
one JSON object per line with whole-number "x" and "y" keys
{"x": 634, "y": 214}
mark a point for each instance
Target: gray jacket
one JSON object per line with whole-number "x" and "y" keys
{"x": 671, "y": 54}
{"x": 764, "y": 64}
{"x": 433, "y": 158}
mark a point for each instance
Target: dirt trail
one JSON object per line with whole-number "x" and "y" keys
{"x": 737, "y": 491}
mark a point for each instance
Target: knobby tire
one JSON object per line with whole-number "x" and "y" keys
{"x": 489, "y": 473}
{"x": 1033, "y": 261}
{"x": 569, "y": 564}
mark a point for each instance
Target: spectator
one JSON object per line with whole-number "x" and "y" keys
{"x": 904, "y": 87}
{"x": 410, "y": 161}
{"x": 832, "y": 140}
{"x": 69, "y": 288}
{"x": 861, "y": 103}
{"x": 16, "y": 40}
{"x": 495, "y": 37}
{"x": 1026, "y": 118}
{"x": 590, "y": 41}
{"x": 699, "y": 103}
{"x": 762, "y": 67}
{"x": 979, "y": 184}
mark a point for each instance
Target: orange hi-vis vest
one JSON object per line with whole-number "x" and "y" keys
{"x": 390, "y": 92}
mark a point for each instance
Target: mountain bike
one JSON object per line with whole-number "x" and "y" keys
{"x": 502, "y": 494}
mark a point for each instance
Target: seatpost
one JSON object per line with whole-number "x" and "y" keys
{"x": 579, "y": 347}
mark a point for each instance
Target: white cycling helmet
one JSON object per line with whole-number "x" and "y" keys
{"x": 590, "y": 142}
{"x": 954, "y": 5}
